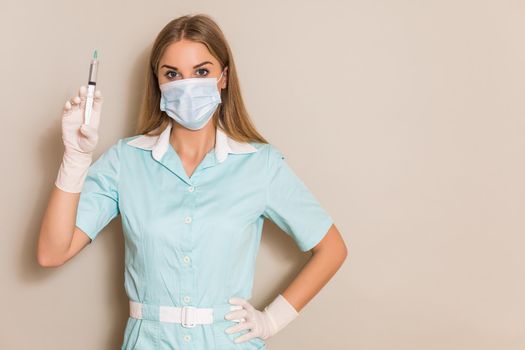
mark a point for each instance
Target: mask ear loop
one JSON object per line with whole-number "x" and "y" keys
{"x": 220, "y": 105}
{"x": 220, "y": 76}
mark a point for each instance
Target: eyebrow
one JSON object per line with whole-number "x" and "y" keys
{"x": 197, "y": 66}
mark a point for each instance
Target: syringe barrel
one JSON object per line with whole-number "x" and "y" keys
{"x": 93, "y": 72}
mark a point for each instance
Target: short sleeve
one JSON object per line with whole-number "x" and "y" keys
{"x": 98, "y": 203}
{"x": 292, "y": 206}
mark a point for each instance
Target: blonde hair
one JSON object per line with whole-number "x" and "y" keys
{"x": 231, "y": 114}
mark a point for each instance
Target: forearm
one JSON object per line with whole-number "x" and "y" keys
{"x": 80, "y": 140}
{"x": 328, "y": 256}
{"x": 314, "y": 275}
{"x": 57, "y": 226}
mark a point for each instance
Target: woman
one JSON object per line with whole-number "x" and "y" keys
{"x": 193, "y": 189}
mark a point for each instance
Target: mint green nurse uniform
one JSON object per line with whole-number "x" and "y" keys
{"x": 193, "y": 240}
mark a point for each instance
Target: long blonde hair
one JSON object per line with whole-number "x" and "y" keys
{"x": 231, "y": 115}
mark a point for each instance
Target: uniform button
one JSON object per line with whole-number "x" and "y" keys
{"x": 186, "y": 259}
{"x": 191, "y": 188}
{"x": 187, "y": 299}
{"x": 187, "y": 219}
{"x": 187, "y": 337}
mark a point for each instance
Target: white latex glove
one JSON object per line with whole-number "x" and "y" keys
{"x": 79, "y": 141}
{"x": 263, "y": 324}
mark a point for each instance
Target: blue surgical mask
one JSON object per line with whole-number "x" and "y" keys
{"x": 192, "y": 101}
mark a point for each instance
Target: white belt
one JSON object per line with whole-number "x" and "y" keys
{"x": 188, "y": 316}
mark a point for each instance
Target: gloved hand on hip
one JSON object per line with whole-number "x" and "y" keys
{"x": 79, "y": 141}
{"x": 262, "y": 324}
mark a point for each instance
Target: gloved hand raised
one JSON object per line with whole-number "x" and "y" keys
{"x": 79, "y": 141}
{"x": 262, "y": 324}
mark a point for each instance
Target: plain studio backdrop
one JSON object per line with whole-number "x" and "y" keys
{"x": 404, "y": 118}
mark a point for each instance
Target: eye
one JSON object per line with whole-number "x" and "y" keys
{"x": 202, "y": 69}
{"x": 167, "y": 75}
{"x": 200, "y": 72}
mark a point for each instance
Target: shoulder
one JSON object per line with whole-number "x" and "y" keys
{"x": 136, "y": 143}
{"x": 271, "y": 155}
{"x": 267, "y": 149}
{"x": 115, "y": 151}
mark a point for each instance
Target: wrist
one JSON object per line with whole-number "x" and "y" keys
{"x": 280, "y": 313}
{"x": 73, "y": 171}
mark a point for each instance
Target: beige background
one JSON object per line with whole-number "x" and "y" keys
{"x": 405, "y": 118}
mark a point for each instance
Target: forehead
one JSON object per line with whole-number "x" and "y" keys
{"x": 186, "y": 53}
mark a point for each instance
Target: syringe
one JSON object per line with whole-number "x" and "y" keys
{"x": 92, "y": 83}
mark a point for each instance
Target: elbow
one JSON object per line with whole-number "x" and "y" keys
{"x": 344, "y": 251}
{"x": 339, "y": 253}
{"x": 342, "y": 254}
{"x": 47, "y": 260}
{"x": 333, "y": 244}
{"x": 49, "y": 255}
{"x": 44, "y": 261}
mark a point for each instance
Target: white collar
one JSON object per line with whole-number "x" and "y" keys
{"x": 223, "y": 144}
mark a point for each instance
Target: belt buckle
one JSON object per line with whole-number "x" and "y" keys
{"x": 184, "y": 316}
